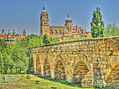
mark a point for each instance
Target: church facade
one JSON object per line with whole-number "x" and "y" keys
{"x": 60, "y": 31}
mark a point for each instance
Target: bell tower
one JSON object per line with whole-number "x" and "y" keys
{"x": 68, "y": 23}
{"x": 44, "y": 23}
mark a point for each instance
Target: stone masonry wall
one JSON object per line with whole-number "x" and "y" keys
{"x": 80, "y": 53}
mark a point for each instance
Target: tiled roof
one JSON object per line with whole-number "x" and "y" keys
{"x": 2, "y": 35}
{"x": 15, "y": 34}
{"x": 57, "y": 26}
{"x": 21, "y": 37}
{"x": 10, "y": 42}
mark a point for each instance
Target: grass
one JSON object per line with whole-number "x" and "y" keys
{"x": 71, "y": 38}
{"x": 8, "y": 79}
{"x": 60, "y": 81}
{"x": 35, "y": 82}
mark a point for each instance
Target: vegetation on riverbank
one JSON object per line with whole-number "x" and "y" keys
{"x": 35, "y": 83}
{"x": 14, "y": 58}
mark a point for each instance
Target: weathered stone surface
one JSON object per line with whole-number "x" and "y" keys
{"x": 72, "y": 60}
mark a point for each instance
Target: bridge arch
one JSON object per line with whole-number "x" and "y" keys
{"x": 60, "y": 68}
{"x": 80, "y": 69}
{"x": 113, "y": 77}
{"x": 46, "y": 67}
{"x": 38, "y": 65}
{"x": 111, "y": 63}
{"x": 84, "y": 59}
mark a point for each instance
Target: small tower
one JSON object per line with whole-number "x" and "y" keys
{"x": 14, "y": 31}
{"x": 44, "y": 22}
{"x": 9, "y": 33}
{"x": 24, "y": 32}
{"x": 68, "y": 23}
{"x": 3, "y": 31}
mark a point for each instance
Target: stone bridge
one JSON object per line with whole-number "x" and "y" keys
{"x": 89, "y": 62}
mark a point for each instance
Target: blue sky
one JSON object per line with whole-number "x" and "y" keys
{"x": 20, "y": 14}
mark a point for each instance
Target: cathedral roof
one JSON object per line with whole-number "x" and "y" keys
{"x": 57, "y": 26}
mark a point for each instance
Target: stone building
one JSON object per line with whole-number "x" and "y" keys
{"x": 10, "y": 38}
{"x": 60, "y": 31}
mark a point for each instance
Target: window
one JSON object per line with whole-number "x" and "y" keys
{"x": 45, "y": 22}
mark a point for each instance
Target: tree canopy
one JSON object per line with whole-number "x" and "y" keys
{"x": 14, "y": 58}
{"x": 97, "y": 24}
{"x": 111, "y": 30}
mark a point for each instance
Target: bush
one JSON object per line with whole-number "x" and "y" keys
{"x": 22, "y": 72}
{"x": 28, "y": 76}
{"x": 37, "y": 81}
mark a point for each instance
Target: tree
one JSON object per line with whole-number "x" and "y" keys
{"x": 45, "y": 39}
{"x": 97, "y": 24}
{"x": 2, "y": 44}
{"x": 15, "y": 58}
{"x": 111, "y": 30}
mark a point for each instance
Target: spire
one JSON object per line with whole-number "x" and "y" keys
{"x": 13, "y": 30}
{"x": 9, "y": 33}
{"x": 3, "y": 31}
{"x": 68, "y": 18}
{"x": 24, "y": 32}
{"x": 43, "y": 7}
{"x": 68, "y": 15}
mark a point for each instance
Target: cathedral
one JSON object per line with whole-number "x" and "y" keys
{"x": 60, "y": 31}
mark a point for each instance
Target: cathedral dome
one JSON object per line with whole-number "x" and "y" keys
{"x": 68, "y": 19}
{"x": 44, "y": 11}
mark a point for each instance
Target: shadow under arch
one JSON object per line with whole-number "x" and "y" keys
{"x": 38, "y": 65}
{"x": 84, "y": 59}
{"x": 113, "y": 77}
{"x": 60, "y": 68}
{"x": 46, "y": 67}
{"x": 80, "y": 69}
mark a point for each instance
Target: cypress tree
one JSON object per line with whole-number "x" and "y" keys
{"x": 97, "y": 24}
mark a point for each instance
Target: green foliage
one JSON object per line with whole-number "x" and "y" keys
{"x": 111, "y": 30}
{"x": 28, "y": 76}
{"x": 71, "y": 38}
{"x": 15, "y": 58}
{"x": 97, "y": 24}
{"x": 45, "y": 39}
{"x": 8, "y": 79}
{"x": 2, "y": 44}
{"x": 53, "y": 40}
{"x": 37, "y": 81}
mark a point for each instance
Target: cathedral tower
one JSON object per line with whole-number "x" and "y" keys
{"x": 44, "y": 23}
{"x": 68, "y": 23}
